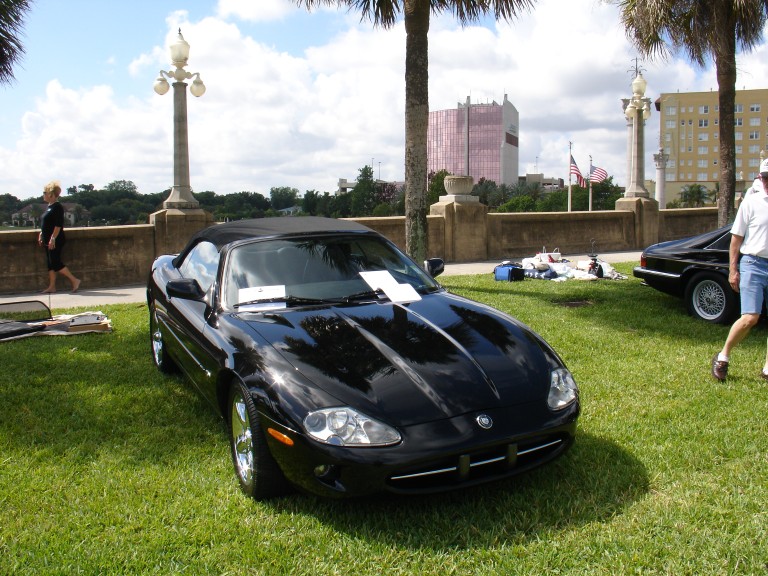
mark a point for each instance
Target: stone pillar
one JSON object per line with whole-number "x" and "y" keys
{"x": 624, "y": 103}
{"x": 174, "y": 227}
{"x": 466, "y": 227}
{"x": 646, "y": 212}
{"x": 661, "y": 177}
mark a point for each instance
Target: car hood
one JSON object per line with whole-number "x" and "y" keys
{"x": 424, "y": 361}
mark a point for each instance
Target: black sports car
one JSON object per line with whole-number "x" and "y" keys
{"x": 344, "y": 368}
{"x": 696, "y": 269}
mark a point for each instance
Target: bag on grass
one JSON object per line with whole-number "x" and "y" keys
{"x": 508, "y": 272}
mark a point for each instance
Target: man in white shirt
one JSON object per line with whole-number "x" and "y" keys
{"x": 748, "y": 271}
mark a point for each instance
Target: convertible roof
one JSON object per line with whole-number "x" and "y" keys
{"x": 222, "y": 234}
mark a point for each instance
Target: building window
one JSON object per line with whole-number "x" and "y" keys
{"x": 703, "y": 136}
{"x": 754, "y": 121}
{"x": 702, "y": 163}
{"x": 690, "y": 122}
{"x": 754, "y": 107}
{"x": 753, "y": 149}
{"x": 738, "y": 108}
{"x": 669, "y": 124}
{"x": 701, "y": 176}
{"x": 671, "y": 110}
{"x": 667, "y": 137}
{"x": 703, "y": 149}
{"x": 738, "y": 162}
{"x": 754, "y": 135}
{"x": 738, "y": 136}
{"x": 703, "y": 122}
{"x": 682, "y": 122}
{"x": 753, "y": 162}
{"x": 738, "y": 121}
{"x": 704, "y": 109}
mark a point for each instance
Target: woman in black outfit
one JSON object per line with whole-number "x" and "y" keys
{"x": 53, "y": 239}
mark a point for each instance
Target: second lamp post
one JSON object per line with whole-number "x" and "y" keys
{"x": 181, "y": 193}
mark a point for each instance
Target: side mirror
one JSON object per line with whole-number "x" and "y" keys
{"x": 185, "y": 288}
{"x": 434, "y": 266}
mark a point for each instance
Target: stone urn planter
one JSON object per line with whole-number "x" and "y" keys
{"x": 458, "y": 185}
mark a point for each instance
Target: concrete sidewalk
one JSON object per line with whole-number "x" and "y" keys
{"x": 93, "y": 299}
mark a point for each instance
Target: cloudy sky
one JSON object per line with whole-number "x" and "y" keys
{"x": 301, "y": 100}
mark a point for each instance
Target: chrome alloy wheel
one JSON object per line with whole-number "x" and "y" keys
{"x": 241, "y": 438}
{"x": 708, "y": 299}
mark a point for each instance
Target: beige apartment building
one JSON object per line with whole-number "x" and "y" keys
{"x": 689, "y": 134}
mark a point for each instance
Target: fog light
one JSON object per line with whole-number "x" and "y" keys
{"x": 324, "y": 471}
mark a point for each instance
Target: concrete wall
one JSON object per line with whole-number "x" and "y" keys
{"x": 525, "y": 234}
{"x": 458, "y": 231}
{"x": 100, "y": 256}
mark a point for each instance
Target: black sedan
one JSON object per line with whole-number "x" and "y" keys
{"x": 343, "y": 368}
{"x": 695, "y": 269}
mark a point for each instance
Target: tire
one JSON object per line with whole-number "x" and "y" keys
{"x": 160, "y": 357}
{"x": 257, "y": 472}
{"x": 709, "y": 296}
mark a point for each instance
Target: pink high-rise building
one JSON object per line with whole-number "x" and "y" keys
{"x": 479, "y": 140}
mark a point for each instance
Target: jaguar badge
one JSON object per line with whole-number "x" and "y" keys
{"x": 484, "y": 421}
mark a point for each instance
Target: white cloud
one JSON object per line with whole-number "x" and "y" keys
{"x": 261, "y": 11}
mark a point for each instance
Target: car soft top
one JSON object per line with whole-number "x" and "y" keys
{"x": 222, "y": 234}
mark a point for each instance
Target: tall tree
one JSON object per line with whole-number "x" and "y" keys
{"x": 703, "y": 29}
{"x": 416, "y": 14}
{"x": 12, "y": 14}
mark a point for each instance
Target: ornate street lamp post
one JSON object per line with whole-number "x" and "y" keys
{"x": 637, "y": 111}
{"x": 181, "y": 193}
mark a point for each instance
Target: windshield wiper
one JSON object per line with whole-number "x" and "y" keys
{"x": 288, "y": 300}
{"x": 362, "y": 295}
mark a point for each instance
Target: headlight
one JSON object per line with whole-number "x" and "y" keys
{"x": 562, "y": 389}
{"x": 344, "y": 426}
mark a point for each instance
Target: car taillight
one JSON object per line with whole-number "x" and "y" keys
{"x": 642, "y": 260}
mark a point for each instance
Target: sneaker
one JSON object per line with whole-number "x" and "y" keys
{"x": 763, "y": 375}
{"x": 719, "y": 369}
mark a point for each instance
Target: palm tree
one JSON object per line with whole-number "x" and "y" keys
{"x": 11, "y": 22}
{"x": 703, "y": 29}
{"x": 416, "y": 14}
{"x": 695, "y": 195}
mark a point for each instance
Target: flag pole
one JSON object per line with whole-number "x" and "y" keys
{"x": 570, "y": 155}
{"x": 590, "y": 183}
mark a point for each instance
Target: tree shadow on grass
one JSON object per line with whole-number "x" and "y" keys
{"x": 594, "y": 481}
{"x": 622, "y": 306}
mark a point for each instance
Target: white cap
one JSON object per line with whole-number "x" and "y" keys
{"x": 764, "y": 167}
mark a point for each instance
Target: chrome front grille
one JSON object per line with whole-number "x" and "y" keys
{"x": 496, "y": 462}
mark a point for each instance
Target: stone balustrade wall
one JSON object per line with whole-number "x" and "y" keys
{"x": 459, "y": 230}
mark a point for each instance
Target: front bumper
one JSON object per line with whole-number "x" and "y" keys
{"x": 432, "y": 457}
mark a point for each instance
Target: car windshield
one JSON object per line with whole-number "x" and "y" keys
{"x": 318, "y": 269}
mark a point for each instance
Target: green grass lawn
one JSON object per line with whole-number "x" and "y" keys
{"x": 107, "y": 467}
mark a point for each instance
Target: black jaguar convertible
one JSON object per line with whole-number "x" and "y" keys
{"x": 343, "y": 368}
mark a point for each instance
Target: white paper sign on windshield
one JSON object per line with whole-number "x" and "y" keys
{"x": 261, "y": 296}
{"x": 383, "y": 280}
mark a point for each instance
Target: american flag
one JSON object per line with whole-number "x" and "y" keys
{"x": 576, "y": 172}
{"x": 597, "y": 174}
